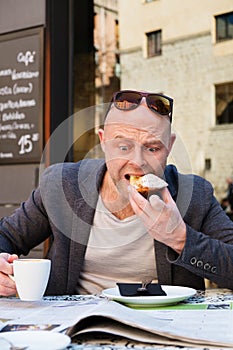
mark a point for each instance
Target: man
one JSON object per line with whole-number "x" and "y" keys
{"x": 103, "y": 231}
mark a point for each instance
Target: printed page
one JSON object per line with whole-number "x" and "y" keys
{"x": 60, "y": 314}
{"x": 194, "y": 326}
{"x": 210, "y": 327}
{"x": 139, "y": 335}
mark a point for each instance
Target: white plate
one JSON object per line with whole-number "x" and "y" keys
{"x": 175, "y": 294}
{"x": 36, "y": 340}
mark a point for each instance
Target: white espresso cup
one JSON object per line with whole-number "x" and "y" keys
{"x": 31, "y": 277}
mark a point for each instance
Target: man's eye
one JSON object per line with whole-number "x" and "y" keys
{"x": 124, "y": 148}
{"x": 152, "y": 149}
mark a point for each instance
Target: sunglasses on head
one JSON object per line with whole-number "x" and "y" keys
{"x": 127, "y": 100}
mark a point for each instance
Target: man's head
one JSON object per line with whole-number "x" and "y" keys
{"x": 137, "y": 137}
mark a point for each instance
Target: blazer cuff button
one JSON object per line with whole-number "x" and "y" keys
{"x": 193, "y": 260}
{"x": 213, "y": 269}
{"x": 206, "y": 266}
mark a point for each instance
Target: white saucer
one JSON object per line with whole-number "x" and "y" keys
{"x": 175, "y": 294}
{"x": 36, "y": 340}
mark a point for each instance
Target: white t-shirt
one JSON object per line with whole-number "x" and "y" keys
{"x": 117, "y": 251}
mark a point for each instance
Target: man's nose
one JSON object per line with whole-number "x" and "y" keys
{"x": 138, "y": 158}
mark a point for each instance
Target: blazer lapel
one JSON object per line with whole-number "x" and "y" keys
{"x": 89, "y": 179}
{"x": 79, "y": 240}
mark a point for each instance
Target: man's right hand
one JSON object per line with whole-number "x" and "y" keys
{"x": 7, "y": 285}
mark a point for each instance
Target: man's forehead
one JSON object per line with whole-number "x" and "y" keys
{"x": 149, "y": 135}
{"x": 141, "y": 117}
{"x": 131, "y": 128}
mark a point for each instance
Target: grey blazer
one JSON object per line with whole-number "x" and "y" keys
{"x": 63, "y": 208}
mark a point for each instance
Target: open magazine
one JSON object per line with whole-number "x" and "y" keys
{"x": 97, "y": 315}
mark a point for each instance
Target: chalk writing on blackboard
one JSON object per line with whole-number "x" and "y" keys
{"x": 21, "y": 97}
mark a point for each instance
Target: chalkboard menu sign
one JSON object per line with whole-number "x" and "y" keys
{"x": 21, "y": 96}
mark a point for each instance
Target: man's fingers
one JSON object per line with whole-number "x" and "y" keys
{"x": 6, "y": 281}
{"x": 156, "y": 201}
{"x": 12, "y": 257}
{"x": 5, "y": 256}
{"x": 136, "y": 197}
{"x": 166, "y": 196}
{"x": 6, "y": 263}
{"x": 8, "y": 256}
{"x": 140, "y": 206}
{"x": 6, "y": 292}
{"x": 7, "y": 285}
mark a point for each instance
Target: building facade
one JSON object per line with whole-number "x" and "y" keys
{"x": 185, "y": 50}
{"x": 105, "y": 79}
{"x": 106, "y": 42}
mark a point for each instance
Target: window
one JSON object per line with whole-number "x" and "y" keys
{"x": 224, "y": 26}
{"x": 224, "y": 103}
{"x": 154, "y": 43}
{"x": 207, "y": 164}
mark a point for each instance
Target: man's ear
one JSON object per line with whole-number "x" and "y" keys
{"x": 101, "y": 138}
{"x": 172, "y": 140}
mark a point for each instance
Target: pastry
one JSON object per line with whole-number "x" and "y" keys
{"x": 147, "y": 183}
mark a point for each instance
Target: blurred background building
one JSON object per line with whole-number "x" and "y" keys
{"x": 106, "y": 78}
{"x": 185, "y": 49}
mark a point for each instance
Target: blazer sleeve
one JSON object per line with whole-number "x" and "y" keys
{"x": 27, "y": 227}
{"x": 208, "y": 251}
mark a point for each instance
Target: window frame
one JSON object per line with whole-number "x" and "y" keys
{"x": 224, "y": 103}
{"x": 154, "y": 43}
{"x": 225, "y": 18}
